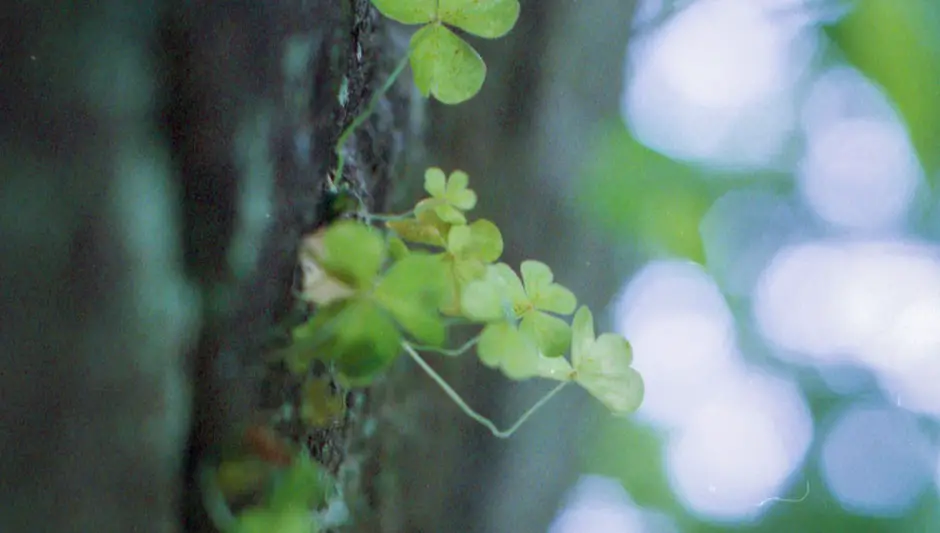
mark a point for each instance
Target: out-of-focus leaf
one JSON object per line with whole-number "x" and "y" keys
{"x": 304, "y": 486}
{"x": 641, "y": 195}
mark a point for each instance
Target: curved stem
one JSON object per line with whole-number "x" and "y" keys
{"x": 452, "y": 352}
{"x": 389, "y": 218}
{"x": 214, "y": 501}
{"x": 486, "y": 422}
{"x": 359, "y": 120}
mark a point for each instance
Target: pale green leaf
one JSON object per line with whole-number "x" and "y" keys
{"x": 480, "y": 240}
{"x": 445, "y": 66}
{"x": 515, "y": 293}
{"x": 304, "y": 485}
{"x": 544, "y": 294}
{"x": 397, "y": 248}
{"x": 435, "y": 182}
{"x": 364, "y": 343}
{"x": 484, "y": 18}
{"x": 262, "y": 520}
{"x": 606, "y": 373}
{"x": 551, "y": 334}
{"x": 502, "y": 346}
{"x": 412, "y": 291}
{"x": 408, "y": 11}
{"x": 602, "y": 365}
{"x": 450, "y": 214}
{"x": 582, "y": 335}
{"x": 352, "y": 252}
{"x": 557, "y": 368}
{"x": 483, "y": 299}
{"x": 317, "y": 285}
{"x": 425, "y": 228}
{"x": 457, "y": 194}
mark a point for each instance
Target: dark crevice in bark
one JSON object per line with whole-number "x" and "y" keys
{"x": 286, "y": 64}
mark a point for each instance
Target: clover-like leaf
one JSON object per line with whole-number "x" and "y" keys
{"x": 450, "y": 197}
{"x": 602, "y": 366}
{"x": 317, "y": 285}
{"x": 425, "y": 228}
{"x": 502, "y": 346}
{"x": 413, "y": 291}
{"x": 263, "y": 520}
{"x": 484, "y": 299}
{"x": 551, "y": 334}
{"x": 350, "y": 252}
{"x": 489, "y": 298}
{"x": 408, "y": 11}
{"x": 484, "y": 18}
{"x": 469, "y": 250}
{"x": 397, "y": 248}
{"x": 304, "y": 485}
{"x": 481, "y": 240}
{"x": 543, "y": 292}
{"x": 445, "y": 66}
{"x": 357, "y": 336}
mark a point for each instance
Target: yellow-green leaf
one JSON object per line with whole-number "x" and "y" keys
{"x": 445, "y": 66}
{"x": 408, "y": 11}
{"x": 484, "y": 18}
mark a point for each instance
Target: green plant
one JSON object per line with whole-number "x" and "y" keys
{"x": 377, "y": 296}
{"x": 445, "y": 65}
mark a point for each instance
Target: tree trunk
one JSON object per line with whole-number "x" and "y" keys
{"x": 160, "y": 162}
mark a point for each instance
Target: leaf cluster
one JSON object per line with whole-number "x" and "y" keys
{"x": 376, "y": 291}
{"x": 445, "y": 65}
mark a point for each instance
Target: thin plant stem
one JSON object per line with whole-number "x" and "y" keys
{"x": 453, "y": 352}
{"x": 486, "y": 422}
{"x": 388, "y": 218}
{"x": 359, "y": 120}
{"x": 214, "y": 501}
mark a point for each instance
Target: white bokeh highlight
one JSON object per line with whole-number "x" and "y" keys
{"x": 735, "y": 436}
{"x": 739, "y": 449}
{"x": 860, "y": 173}
{"x": 877, "y": 461}
{"x": 682, "y": 335}
{"x": 859, "y": 170}
{"x": 714, "y": 84}
{"x": 600, "y": 505}
{"x": 871, "y": 303}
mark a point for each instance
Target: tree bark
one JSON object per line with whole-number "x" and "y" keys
{"x": 160, "y": 161}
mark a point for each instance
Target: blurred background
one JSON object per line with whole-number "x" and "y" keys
{"x": 748, "y": 189}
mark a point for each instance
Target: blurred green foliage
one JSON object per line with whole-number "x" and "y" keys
{"x": 897, "y": 45}
{"x": 648, "y": 200}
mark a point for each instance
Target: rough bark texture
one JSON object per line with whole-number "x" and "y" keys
{"x": 160, "y": 161}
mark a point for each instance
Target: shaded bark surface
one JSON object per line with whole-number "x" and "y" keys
{"x": 160, "y": 161}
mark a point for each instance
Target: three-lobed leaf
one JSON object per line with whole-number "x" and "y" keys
{"x": 445, "y": 66}
{"x": 412, "y": 291}
{"x": 425, "y": 228}
{"x": 450, "y": 197}
{"x": 503, "y": 346}
{"x": 543, "y": 292}
{"x": 484, "y": 18}
{"x": 602, "y": 366}
{"x": 351, "y": 252}
{"x": 408, "y": 11}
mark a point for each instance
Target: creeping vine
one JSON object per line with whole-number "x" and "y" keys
{"x": 386, "y": 284}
